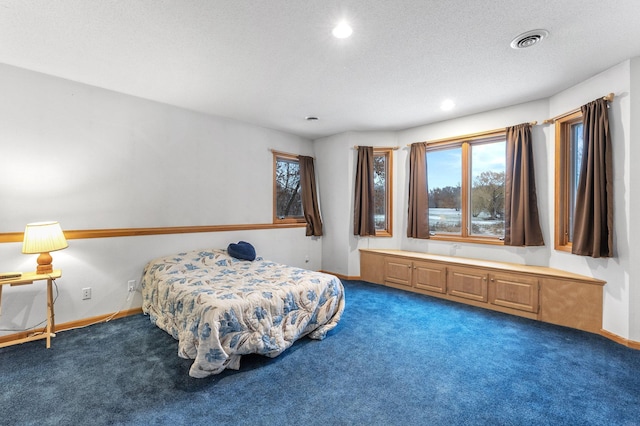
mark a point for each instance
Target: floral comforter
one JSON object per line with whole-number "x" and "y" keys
{"x": 220, "y": 308}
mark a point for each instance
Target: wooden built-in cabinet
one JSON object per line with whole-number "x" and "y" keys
{"x": 535, "y": 292}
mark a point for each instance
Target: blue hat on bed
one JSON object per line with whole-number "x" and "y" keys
{"x": 243, "y": 250}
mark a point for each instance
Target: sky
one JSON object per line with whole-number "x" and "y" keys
{"x": 444, "y": 167}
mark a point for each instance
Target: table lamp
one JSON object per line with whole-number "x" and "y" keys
{"x": 43, "y": 237}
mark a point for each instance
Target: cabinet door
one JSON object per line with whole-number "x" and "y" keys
{"x": 397, "y": 271}
{"x": 468, "y": 283}
{"x": 430, "y": 276}
{"x": 372, "y": 267}
{"x": 514, "y": 291}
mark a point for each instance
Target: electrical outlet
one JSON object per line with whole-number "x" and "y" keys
{"x": 86, "y": 293}
{"x": 131, "y": 285}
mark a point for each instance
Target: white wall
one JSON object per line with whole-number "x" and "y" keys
{"x": 616, "y": 271}
{"x": 106, "y": 264}
{"x": 337, "y": 159}
{"x": 622, "y": 292}
{"x": 634, "y": 205}
{"x": 333, "y": 182}
{"x": 95, "y": 159}
{"x": 491, "y": 120}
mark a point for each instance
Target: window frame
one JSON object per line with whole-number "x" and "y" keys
{"x": 563, "y": 153}
{"x": 388, "y": 153}
{"x": 465, "y": 142}
{"x": 290, "y": 219}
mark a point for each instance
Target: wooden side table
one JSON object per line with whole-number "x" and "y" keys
{"x": 30, "y": 278}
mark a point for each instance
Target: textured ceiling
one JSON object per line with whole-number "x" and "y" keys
{"x": 272, "y": 63}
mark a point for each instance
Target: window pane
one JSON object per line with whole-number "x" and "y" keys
{"x": 288, "y": 197}
{"x": 574, "y": 172}
{"x": 380, "y": 191}
{"x": 487, "y": 189}
{"x": 569, "y": 148}
{"x": 444, "y": 174}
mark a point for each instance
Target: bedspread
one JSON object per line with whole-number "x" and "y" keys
{"x": 220, "y": 308}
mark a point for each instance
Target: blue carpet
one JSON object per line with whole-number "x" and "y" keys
{"x": 396, "y": 358}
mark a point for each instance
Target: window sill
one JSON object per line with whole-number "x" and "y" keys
{"x": 476, "y": 240}
{"x": 289, "y": 221}
{"x": 382, "y": 234}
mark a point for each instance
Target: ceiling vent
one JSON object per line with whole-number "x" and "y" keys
{"x": 529, "y": 38}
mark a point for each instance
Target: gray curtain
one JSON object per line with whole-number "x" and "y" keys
{"x": 418, "y": 215}
{"x": 593, "y": 218}
{"x": 521, "y": 221}
{"x": 310, "y": 196}
{"x": 363, "y": 204}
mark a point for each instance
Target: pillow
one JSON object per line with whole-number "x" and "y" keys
{"x": 243, "y": 250}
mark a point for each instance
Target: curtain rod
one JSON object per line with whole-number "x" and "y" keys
{"x": 471, "y": 136}
{"x": 275, "y": 151}
{"x": 379, "y": 147}
{"x": 607, "y": 98}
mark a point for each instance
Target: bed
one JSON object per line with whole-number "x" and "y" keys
{"x": 220, "y": 308}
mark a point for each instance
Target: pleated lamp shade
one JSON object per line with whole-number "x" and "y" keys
{"x": 43, "y": 237}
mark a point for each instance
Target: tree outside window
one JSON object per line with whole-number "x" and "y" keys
{"x": 287, "y": 195}
{"x": 465, "y": 180}
{"x": 487, "y": 188}
{"x": 382, "y": 190}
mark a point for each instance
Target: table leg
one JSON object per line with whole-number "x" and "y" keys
{"x": 50, "y": 319}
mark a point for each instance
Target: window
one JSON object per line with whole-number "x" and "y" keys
{"x": 444, "y": 177}
{"x": 287, "y": 203}
{"x": 569, "y": 148}
{"x": 465, "y": 179}
{"x": 382, "y": 175}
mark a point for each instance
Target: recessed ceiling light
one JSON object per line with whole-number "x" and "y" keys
{"x": 528, "y": 39}
{"x": 311, "y": 118}
{"x": 342, "y": 30}
{"x": 447, "y": 105}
